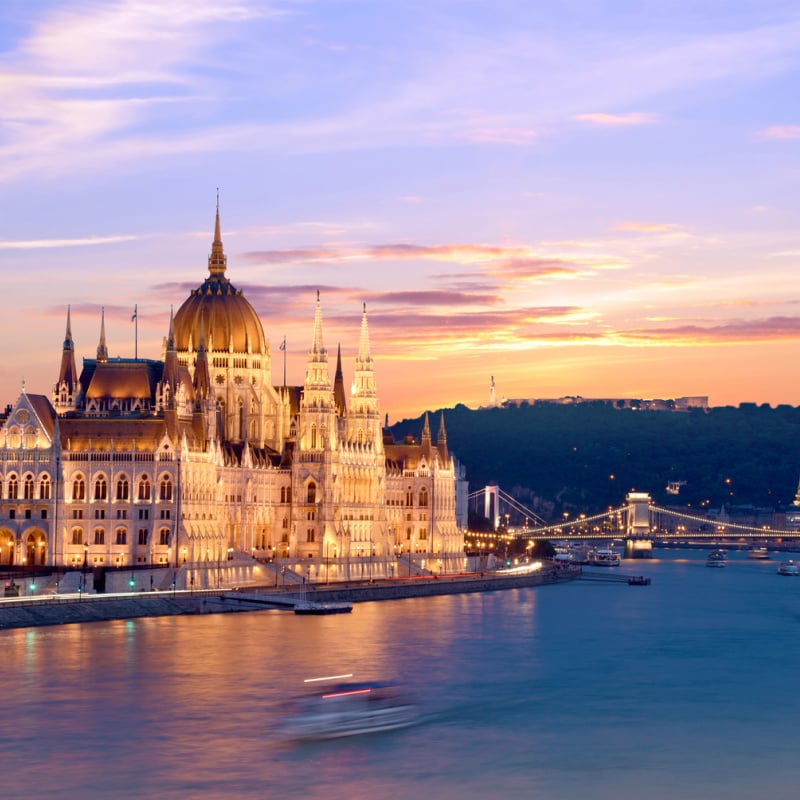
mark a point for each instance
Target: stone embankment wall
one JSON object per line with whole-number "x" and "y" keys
{"x": 26, "y": 613}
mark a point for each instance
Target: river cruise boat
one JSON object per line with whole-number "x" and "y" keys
{"x": 759, "y": 553}
{"x": 789, "y": 568}
{"x": 717, "y": 559}
{"x": 604, "y": 557}
{"x": 351, "y": 709}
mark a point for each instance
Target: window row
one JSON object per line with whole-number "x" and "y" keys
{"x": 25, "y": 488}
{"x": 120, "y": 536}
{"x": 122, "y": 489}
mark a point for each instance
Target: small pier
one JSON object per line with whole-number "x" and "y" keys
{"x": 604, "y": 577}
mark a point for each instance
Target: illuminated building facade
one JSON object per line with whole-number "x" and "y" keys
{"x": 198, "y": 461}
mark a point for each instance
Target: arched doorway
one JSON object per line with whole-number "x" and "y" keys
{"x": 6, "y": 547}
{"x": 35, "y": 548}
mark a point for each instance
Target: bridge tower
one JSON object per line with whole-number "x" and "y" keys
{"x": 490, "y": 507}
{"x": 638, "y": 544}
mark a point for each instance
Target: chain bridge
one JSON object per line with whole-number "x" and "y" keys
{"x": 638, "y": 521}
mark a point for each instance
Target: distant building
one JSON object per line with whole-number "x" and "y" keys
{"x": 676, "y": 404}
{"x": 199, "y": 458}
{"x": 793, "y": 513}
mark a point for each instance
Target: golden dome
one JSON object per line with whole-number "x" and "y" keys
{"x": 218, "y": 312}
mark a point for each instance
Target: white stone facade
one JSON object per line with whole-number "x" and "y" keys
{"x": 196, "y": 460}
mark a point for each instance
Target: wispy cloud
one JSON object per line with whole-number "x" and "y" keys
{"x": 632, "y": 118}
{"x": 649, "y": 227}
{"x": 780, "y": 132}
{"x": 47, "y": 244}
{"x": 731, "y": 332}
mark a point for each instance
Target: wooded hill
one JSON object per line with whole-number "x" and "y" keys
{"x": 586, "y": 457}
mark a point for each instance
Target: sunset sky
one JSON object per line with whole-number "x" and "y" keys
{"x": 577, "y": 198}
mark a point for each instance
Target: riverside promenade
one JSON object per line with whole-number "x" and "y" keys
{"x": 67, "y": 609}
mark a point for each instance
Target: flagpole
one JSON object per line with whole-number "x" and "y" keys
{"x": 283, "y": 347}
{"x": 136, "y": 332}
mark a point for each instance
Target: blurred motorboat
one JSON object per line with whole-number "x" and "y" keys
{"x": 351, "y": 709}
{"x": 717, "y": 558}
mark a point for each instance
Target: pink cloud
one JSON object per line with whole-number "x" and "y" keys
{"x": 632, "y": 118}
{"x": 649, "y": 227}
{"x": 781, "y": 132}
{"x": 737, "y": 331}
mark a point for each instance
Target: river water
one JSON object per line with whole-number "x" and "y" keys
{"x": 687, "y": 688}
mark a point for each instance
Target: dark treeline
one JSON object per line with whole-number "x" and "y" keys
{"x": 586, "y": 457}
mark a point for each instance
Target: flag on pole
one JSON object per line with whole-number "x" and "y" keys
{"x": 283, "y": 344}
{"x": 135, "y": 313}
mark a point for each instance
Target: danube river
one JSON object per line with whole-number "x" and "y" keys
{"x": 687, "y": 688}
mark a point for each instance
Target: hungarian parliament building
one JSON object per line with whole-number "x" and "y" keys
{"x": 197, "y": 462}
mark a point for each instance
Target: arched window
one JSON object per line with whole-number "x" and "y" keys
{"x": 310, "y": 535}
{"x": 79, "y": 488}
{"x": 423, "y": 497}
{"x": 313, "y": 437}
{"x": 122, "y": 489}
{"x": 27, "y": 487}
{"x": 44, "y": 487}
{"x": 77, "y": 536}
{"x": 166, "y": 489}
{"x": 122, "y": 536}
{"x": 101, "y": 489}
{"x": 312, "y": 492}
{"x": 13, "y": 487}
{"x": 99, "y": 536}
{"x": 144, "y": 488}
{"x": 163, "y": 536}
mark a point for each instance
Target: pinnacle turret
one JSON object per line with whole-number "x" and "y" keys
{"x": 102, "y": 350}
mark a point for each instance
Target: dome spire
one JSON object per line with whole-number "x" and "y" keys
{"x": 217, "y": 262}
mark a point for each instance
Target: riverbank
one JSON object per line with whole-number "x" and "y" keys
{"x": 69, "y": 609}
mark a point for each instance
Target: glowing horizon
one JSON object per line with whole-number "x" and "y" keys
{"x": 626, "y": 227}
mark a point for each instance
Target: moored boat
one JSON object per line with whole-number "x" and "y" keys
{"x": 789, "y": 568}
{"x": 307, "y": 608}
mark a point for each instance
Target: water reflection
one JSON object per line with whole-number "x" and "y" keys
{"x": 686, "y": 688}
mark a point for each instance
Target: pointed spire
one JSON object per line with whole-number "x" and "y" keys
{"x": 441, "y": 440}
{"x": 217, "y": 262}
{"x": 363, "y": 344}
{"x": 338, "y": 384}
{"x": 170, "y": 374}
{"x": 64, "y": 390}
{"x": 102, "y": 350}
{"x": 202, "y": 378}
{"x": 68, "y": 345}
{"x": 317, "y": 346}
{"x": 426, "y": 430}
